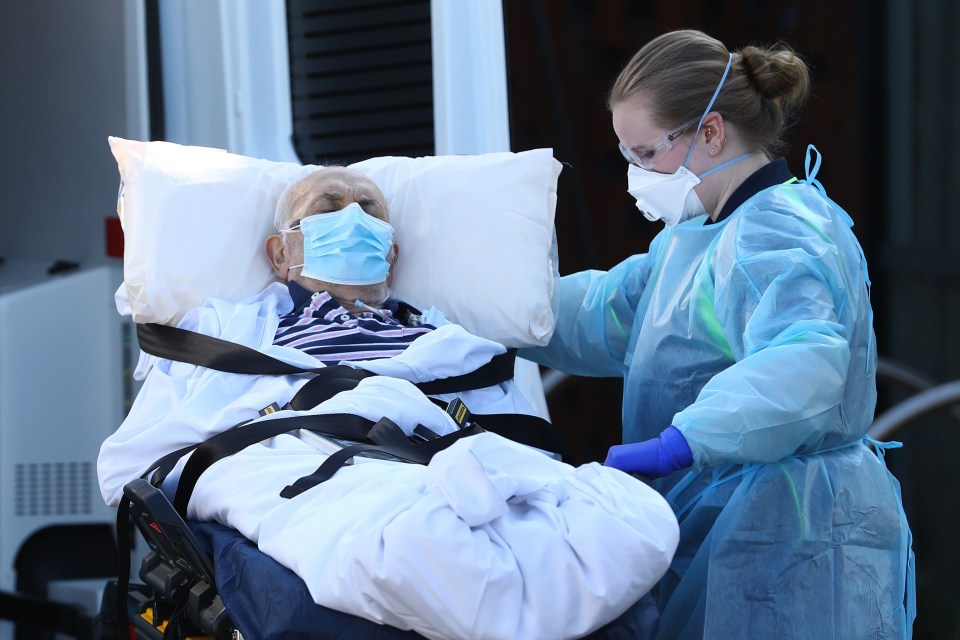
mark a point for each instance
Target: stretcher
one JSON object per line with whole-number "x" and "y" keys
{"x": 573, "y": 551}
{"x": 185, "y": 564}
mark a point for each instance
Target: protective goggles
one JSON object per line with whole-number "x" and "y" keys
{"x": 645, "y": 155}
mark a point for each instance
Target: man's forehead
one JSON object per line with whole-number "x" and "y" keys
{"x": 336, "y": 181}
{"x": 331, "y": 188}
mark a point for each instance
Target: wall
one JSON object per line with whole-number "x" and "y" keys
{"x": 65, "y": 69}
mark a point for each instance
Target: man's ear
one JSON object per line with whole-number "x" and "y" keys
{"x": 392, "y": 259}
{"x": 277, "y": 255}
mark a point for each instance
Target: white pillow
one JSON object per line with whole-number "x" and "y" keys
{"x": 475, "y": 232}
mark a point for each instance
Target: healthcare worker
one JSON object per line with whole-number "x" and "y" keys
{"x": 744, "y": 337}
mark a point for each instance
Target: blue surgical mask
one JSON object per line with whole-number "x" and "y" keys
{"x": 346, "y": 247}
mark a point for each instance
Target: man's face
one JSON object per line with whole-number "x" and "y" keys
{"x": 325, "y": 191}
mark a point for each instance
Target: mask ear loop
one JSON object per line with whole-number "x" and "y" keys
{"x": 723, "y": 79}
{"x": 283, "y": 234}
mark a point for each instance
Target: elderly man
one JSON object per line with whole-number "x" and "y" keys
{"x": 339, "y": 285}
{"x": 492, "y": 539}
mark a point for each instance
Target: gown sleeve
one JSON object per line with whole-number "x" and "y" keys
{"x": 597, "y": 310}
{"x": 789, "y": 305}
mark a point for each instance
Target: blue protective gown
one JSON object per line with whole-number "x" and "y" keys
{"x": 754, "y": 337}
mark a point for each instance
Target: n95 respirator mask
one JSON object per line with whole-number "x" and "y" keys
{"x": 665, "y": 196}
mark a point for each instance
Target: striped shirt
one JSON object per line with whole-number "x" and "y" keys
{"x": 319, "y": 326}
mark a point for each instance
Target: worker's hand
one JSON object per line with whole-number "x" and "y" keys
{"x": 654, "y": 458}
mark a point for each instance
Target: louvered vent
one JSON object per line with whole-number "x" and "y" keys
{"x": 53, "y": 489}
{"x": 361, "y": 79}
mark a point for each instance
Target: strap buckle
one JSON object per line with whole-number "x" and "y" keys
{"x": 459, "y": 412}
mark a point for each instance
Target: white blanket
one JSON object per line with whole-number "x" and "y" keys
{"x": 491, "y": 540}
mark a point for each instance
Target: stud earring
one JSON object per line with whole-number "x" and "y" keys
{"x": 713, "y": 150}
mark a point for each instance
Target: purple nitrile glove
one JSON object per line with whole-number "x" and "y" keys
{"x": 654, "y": 458}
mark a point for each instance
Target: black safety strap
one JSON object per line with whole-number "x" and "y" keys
{"x": 384, "y": 437}
{"x": 327, "y": 383}
{"x": 331, "y": 381}
{"x": 529, "y": 430}
{"x": 182, "y": 345}
{"x": 526, "y": 429}
{"x": 174, "y": 343}
{"x": 391, "y": 440}
{"x": 499, "y": 369}
{"x": 162, "y": 467}
{"x": 226, "y": 443}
